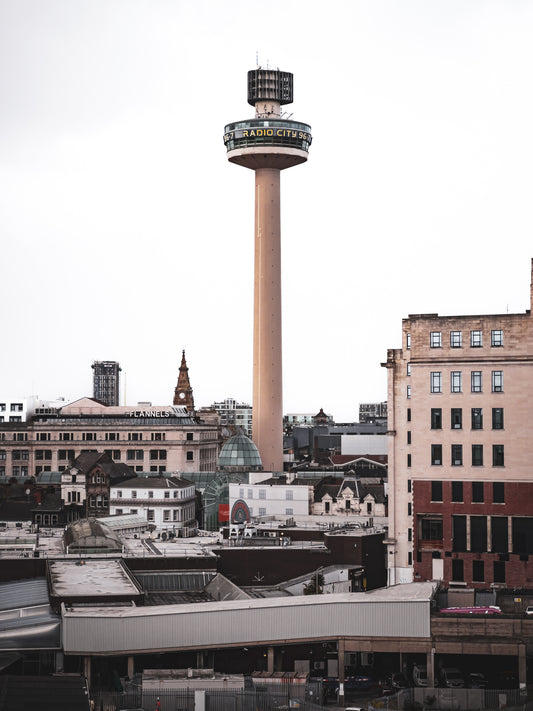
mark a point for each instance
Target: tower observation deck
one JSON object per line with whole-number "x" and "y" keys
{"x": 268, "y": 144}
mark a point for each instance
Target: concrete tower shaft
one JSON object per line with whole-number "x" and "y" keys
{"x": 268, "y": 144}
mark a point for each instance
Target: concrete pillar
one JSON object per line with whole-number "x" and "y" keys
{"x": 267, "y": 383}
{"x": 270, "y": 662}
{"x": 199, "y": 700}
{"x": 430, "y": 663}
{"x": 342, "y": 654}
{"x": 87, "y": 670}
{"x": 131, "y": 666}
{"x": 522, "y": 669}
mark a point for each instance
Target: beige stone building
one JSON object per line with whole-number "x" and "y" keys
{"x": 145, "y": 437}
{"x": 460, "y": 416}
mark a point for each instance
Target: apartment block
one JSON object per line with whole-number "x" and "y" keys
{"x": 460, "y": 419}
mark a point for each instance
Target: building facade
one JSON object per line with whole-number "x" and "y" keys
{"x": 106, "y": 381}
{"x": 234, "y": 414}
{"x": 166, "y": 502}
{"x": 460, "y": 471}
{"x": 146, "y": 438}
{"x": 266, "y": 499}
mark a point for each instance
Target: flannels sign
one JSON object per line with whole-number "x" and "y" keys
{"x": 148, "y": 413}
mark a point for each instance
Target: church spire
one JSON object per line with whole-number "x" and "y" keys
{"x": 183, "y": 392}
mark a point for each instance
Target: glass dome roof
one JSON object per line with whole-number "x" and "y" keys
{"x": 239, "y": 452}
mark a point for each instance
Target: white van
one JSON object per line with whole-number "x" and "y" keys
{"x": 420, "y": 675}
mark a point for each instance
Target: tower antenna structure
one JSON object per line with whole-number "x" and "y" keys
{"x": 268, "y": 144}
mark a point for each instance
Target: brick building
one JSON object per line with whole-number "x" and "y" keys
{"x": 460, "y": 471}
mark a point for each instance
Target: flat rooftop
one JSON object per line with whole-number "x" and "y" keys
{"x": 90, "y": 577}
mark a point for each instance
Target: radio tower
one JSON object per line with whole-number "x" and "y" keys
{"x": 267, "y": 144}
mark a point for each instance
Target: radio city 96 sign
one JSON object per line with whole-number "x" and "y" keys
{"x": 267, "y": 133}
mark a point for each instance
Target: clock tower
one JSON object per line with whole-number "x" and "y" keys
{"x": 183, "y": 392}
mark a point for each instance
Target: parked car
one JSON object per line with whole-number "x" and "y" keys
{"x": 475, "y": 610}
{"x": 420, "y": 675}
{"x": 451, "y": 678}
{"x": 477, "y": 680}
{"x": 360, "y": 681}
{"x": 396, "y": 681}
{"x": 529, "y": 610}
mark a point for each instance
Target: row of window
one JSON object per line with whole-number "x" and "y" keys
{"x": 62, "y": 454}
{"x": 88, "y": 436}
{"x": 262, "y": 494}
{"x": 456, "y": 381}
{"x": 478, "y": 571}
{"x": 477, "y": 490}
{"x": 177, "y": 494}
{"x": 456, "y": 458}
{"x": 12, "y": 418}
{"x": 476, "y": 418}
{"x": 476, "y": 339}
{"x": 14, "y": 407}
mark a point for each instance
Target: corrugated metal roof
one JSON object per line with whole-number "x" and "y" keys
{"x": 23, "y": 593}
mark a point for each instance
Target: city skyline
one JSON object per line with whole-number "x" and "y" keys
{"x": 126, "y": 235}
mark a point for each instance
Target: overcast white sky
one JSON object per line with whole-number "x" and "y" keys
{"x": 126, "y": 235}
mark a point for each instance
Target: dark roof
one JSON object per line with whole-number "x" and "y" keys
{"x": 57, "y": 692}
{"x": 159, "y": 482}
{"x": 49, "y": 502}
{"x": 88, "y": 460}
{"x": 12, "y": 510}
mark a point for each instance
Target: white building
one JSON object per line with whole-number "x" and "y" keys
{"x": 73, "y": 492}
{"x": 21, "y": 409}
{"x": 167, "y": 502}
{"x": 234, "y": 414}
{"x": 270, "y": 499}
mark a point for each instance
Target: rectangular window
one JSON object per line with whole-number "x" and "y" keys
{"x": 289, "y": 512}
{"x": 150, "y": 514}
{"x": 408, "y": 436}
{"x": 498, "y": 492}
{"x": 497, "y": 381}
{"x": 436, "y": 454}
{"x": 478, "y": 534}
{"x": 436, "y": 491}
{"x": 499, "y": 531}
{"x": 497, "y": 455}
{"x": 408, "y": 414}
{"x": 2, "y": 453}
{"x": 457, "y": 492}
{"x": 250, "y": 494}
{"x": 16, "y": 407}
{"x": 458, "y": 570}
{"x": 408, "y": 461}
{"x": 456, "y": 381}
{"x": 262, "y": 493}
{"x": 478, "y": 571}
{"x": 133, "y": 494}
{"x": 477, "y": 456}
{"x": 190, "y": 436}
{"x": 166, "y": 514}
{"x": 477, "y": 418}
{"x": 436, "y": 418}
{"x": 477, "y": 492}
{"x": 435, "y": 339}
{"x": 457, "y": 455}
{"x": 288, "y": 495}
{"x": 476, "y": 339}
{"x": 497, "y": 418}
{"x": 522, "y": 535}
{"x": 190, "y": 456}
{"x": 262, "y": 512}
{"x": 408, "y": 392}
{"x": 436, "y": 382}
{"x": 496, "y": 339}
{"x": 43, "y": 436}
{"x": 150, "y": 494}
{"x": 408, "y": 369}
{"x": 459, "y": 533}
{"x": 166, "y": 494}
{"x": 431, "y": 529}
{"x": 456, "y": 339}
{"x": 499, "y": 571}
{"x": 475, "y": 381}
{"x": 135, "y": 436}
{"x": 457, "y": 418}
{"x": 408, "y": 340}
{"x": 409, "y": 507}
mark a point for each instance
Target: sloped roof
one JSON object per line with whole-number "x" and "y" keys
{"x": 156, "y": 482}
